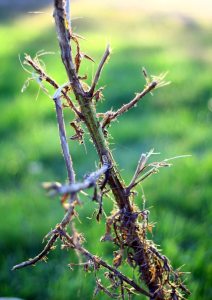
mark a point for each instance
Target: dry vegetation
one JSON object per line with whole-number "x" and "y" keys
{"x": 127, "y": 226}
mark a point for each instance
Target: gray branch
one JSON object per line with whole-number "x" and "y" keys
{"x": 90, "y": 181}
{"x": 99, "y": 70}
{"x": 62, "y": 133}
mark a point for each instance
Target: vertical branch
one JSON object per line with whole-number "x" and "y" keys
{"x": 87, "y": 107}
{"x": 63, "y": 139}
{"x": 64, "y": 37}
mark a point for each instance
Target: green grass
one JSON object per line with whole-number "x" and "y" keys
{"x": 175, "y": 121}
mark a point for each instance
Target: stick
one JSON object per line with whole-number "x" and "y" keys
{"x": 62, "y": 133}
{"x": 99, "y": 70}
{"x": 113, "y": 115}
{"x": 89, "y": 182}
{"x": 40, "y": 256}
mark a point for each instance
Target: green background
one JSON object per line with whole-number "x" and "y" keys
{"x": 176, "y": 120}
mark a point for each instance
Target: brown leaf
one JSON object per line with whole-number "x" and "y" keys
{"x": 78, "y": 132}
{"x": 98, "y": 94}
{"x": 118, "y": 258}
{"x": 78, "y": 59}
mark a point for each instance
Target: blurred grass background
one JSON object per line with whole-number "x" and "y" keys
{"x": 174, "y": 37}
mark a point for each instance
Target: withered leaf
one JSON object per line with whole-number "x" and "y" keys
{"x": 118, "y": 258}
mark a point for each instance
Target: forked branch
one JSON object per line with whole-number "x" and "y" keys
{"x": 45, "y": 77}
{"x": 127, "y": 226}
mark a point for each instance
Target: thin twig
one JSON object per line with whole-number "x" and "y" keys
{"x": 40, "y": 256}
{"x": 90, "y": 181}
{"x": 113, "y": 115}
{"x": 140, "y": 167}
{"x": 62, "y": 133}
{"x": 99, "y": 70}
{"x": 152, "y": 171}
{"x": 155, "y": 166}
{"x": 52, "y": 82}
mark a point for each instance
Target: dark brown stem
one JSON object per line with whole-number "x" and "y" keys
{"x": 40, "y": 256}
{"x": 97, "y": 260}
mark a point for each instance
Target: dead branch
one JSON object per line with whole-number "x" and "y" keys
{"x": 52, "y": 82}
{"x": 40, "y": 256}
{"x": 62, "y": 133}
{"x": 110, "y": 116}
{"x": 87, "y": 108}
{"x": 90, "y": 181}
{"x": 98, "y": 261}
{"x": 127, "y": 227}
{"x": 99, "y": 70}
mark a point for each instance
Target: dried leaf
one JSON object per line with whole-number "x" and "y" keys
{"x": 118, "y": 258}
{"x": 78, "y": 132}
{"x": 98, "y": 94}
{"x": 78, "y": 59}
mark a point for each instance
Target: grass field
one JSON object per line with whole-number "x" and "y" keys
{"x": 176, "y": 120}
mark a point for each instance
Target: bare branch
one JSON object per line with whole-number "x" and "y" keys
{"x": 70, "y": 212}
{"x": 153, "y": 170}
{"x": 52, "y": 82}
{"x": 127, "y": 227}
{"x": 87, "y": 108}
{"x": 89, "y": 182}
{"x": 40, "y": 256}
{"x": 154, "y": 167}
{"x": 99, "y": 70}
{"x": 97, "y": 260}
{"x": 62, "y": 133}
{"x": 64, "y": 37}
{"x": 140, "y": 167}
{"x": 110, "y": 116}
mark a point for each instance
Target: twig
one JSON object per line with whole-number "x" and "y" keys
{"x": 52, "y": 82}
{"x": 40, "y": 256}
{"x": 142, "y": 166}
{"x": 97, "y": 260}
{"x": 113, "y": 115}
{"x": 90, "y": 181}
{"x": 70, "y": 212}
{"x": 153, "y": 170}
{"x": 62, "y": 133}
{"x": 99, "y": 70}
